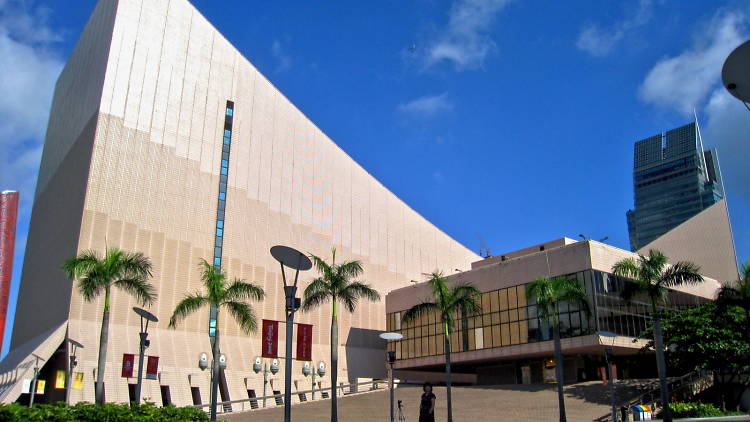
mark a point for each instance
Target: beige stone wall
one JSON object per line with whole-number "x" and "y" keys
{"x": 153, "y": 185}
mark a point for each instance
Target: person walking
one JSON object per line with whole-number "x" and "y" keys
{"x": 427, "y": 405}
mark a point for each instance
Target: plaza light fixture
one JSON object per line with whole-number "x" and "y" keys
{"x": 391, "y": 356}
{"x": 321, "y": 371}
{"x": 296, "y": 260}
{"x": 36, "y": 376}
{"x": 73, "y": 362}
{"x": 259, "y": 365}
{"x": 609, "y": 353}
{"x": 146, "y": 317}
{"x": 736, "y": 73}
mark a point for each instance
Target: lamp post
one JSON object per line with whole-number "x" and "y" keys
{"x": 36, "y": 375}
{"x": 296, "y": 260}
{"x": 736, "y": 73}
{"x": 146, "y": 317}
{"x": 608, "y": 355}
{"x": 321, "y": 370}
{"x": 391, "y": 355}
{"x": 217, "y": 364}
{"x": 74, "y": 345}
{"x": 258, "y": 366}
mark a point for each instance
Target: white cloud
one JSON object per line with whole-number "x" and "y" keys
{"x": 465, "y": 42}
{"x": 599, "y": 41}
{"x": 427, "y": 106}
{"x": 693, "y": 79}
{"x": 283, "y": 59}
{"x": 685, "y": 81}
{"x": 29, "y": 70}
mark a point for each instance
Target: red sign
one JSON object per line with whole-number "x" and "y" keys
{"x": 128, "y": 363}
{"x": 8, "y": 218}
{"x": 152, "y": 367}
{"x": 270, "y": 339}
{"x": 304, "y": 342}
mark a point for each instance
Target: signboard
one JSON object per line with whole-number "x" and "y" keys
{"x": 128, "y": 362}
{"x": 78, "y": 380}
{"x": 26, "y": 386}
{"x": 270, "y": 339}
{"x": 304, "y": 342}
{"x": 8, "y": 218}
{"x": 40, "y": 386}
{"x": 59, "y": 379}
{"x": 152, "y": 367}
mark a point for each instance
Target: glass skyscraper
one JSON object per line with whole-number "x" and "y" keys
{"x": 674, "y": 179}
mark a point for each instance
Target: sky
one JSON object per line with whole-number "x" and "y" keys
{"x": 506, "y": 123}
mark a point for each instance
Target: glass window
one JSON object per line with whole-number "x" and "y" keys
{"x": 219, "y": 241}
{"x": 217, "y": 251}
{"x": 505, "y": 334}
{"x": 514, "y": 337}
{"x": 486, "y": 302}
{"x": 227, "y": 141}
{"x": 224, "y": 170}
{"x": 227, "y": 133}
{"x": 494, "y": 304}
{"x": 503, "y": 299}
{"x": 225, "y": 163}
{"x": 512, "y": 298}
{"x": 217, "y": 261}
{"x": 479, "y": 338}
{"x": 220, "y": 224}
{"x": 521, "y": 290}
{"x": 229, "y": 112}
{"x": 219, "y": 232}
{"x": 222, "y": 196}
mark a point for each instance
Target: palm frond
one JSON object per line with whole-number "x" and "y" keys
{"x": 322, "y": 266}
{"x": 349, "y": 269}
{"x": 465, "y": 298}
{"x": 134, "y": 265}
{"x": 214, "y": 281}
{"x": 139, "y": 288}
{"x": 627, "y": 268}
{"x": 91, "y": 285}
{"x": 418, "y": 310}
{"x": 681, "y": 273}
{"x": 315, "y": 299}
{"x": 244, "y": 315}
{"x": 349, "y": 302}
{"x": 361, "y": 290}
{"x": 189, "y": 304}
{"x": 83, "y": 263}
{"x": 240, "y": 290}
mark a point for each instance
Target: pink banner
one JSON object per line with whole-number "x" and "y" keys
{"x": 128, "y": 362}
{"x": 8, "y": 219}
{"x": 304, "y": 342}
{"x": 270, "y": 339}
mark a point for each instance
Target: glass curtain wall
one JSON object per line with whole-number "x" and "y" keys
{"x": 508, "y": 318}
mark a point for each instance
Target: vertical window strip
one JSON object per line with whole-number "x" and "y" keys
{"x": 223, "y": 181}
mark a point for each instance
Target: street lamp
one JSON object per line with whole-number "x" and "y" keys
{"x": 36, "y": 375}
{"x": 146, "y": 317}
{"x": 391, "y": 360}
{"x": 608, "y": 355}
{"x": 217, "y": 364}
{"x": 736, "y": 73}
{"x": 296, "y": 260}
{"x": 74, "y": 345}
{"x": 260, "y": 365}
{"x": 321, "y": 371}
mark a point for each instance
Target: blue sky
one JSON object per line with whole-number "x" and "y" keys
{"x": 509, "y": 120}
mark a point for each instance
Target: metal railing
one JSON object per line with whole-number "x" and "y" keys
{"x": 255, "y": 403}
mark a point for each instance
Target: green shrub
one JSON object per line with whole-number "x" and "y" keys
{"x": 87, "y": 412}
{"x": 697, "y": 410}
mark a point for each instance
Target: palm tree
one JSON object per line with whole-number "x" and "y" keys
{"x": 654, "y": 276}
{"x": 335, "y": 285}
{"x": 448, "y": 302}
{"x": 738, "y": 294}
{"x": 127, "y": 271}
{"x": 220, "y": 295}
{"x": 549, "y": 293}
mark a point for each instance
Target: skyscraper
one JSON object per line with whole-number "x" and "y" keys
{"x": 674, "y": 179}
{"x": 8, "y": 219}
{"x": 164, "y": 139}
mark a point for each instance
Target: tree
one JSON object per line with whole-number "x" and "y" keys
{"x": 549, "y": 293}
{"x": 653, "y": 276}
{"x": 710, "y": 336}
{"x": 336, "y": 285}
{"x": 220, "y": 295}
{"x": 126, "y": 271}
{"x": 738, "y": 294}
{"x": 448, "y": 302}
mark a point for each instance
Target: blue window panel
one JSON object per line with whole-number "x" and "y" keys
{"x": 220, "y": 214}
{"x": 222, "y": 205}
{"x": 226, "y": 141}
{"x": 220, "y": 224}
{"x": 230, "y": 112}
{"x": 217, "y": 251}
{"x": 225, "y": 162}
{"x": 219, "y": 242}
{"x": 224, "y": 170}
{"x": 222, "y": 196}
{"x": 217, "y": 261}
{"x": 225, "y": 148}
{"x": 219, "y": 232}
{"x": 227, "y": 133}
{"x": 222, "y": 187}
{"x": 223, "y": 178}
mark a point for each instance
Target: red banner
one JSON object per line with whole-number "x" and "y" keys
{"x": 152, "y": 367}
{"x": 270, "y": 339}
{"x": 8, "y": 219}
{"x": 128, "y": 363}
{"x": 304, "y": 342}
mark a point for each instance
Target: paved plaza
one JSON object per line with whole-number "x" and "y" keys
{"x": 516, "y": 403}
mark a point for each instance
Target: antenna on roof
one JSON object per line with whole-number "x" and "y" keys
{"x": 484, "y": 251}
